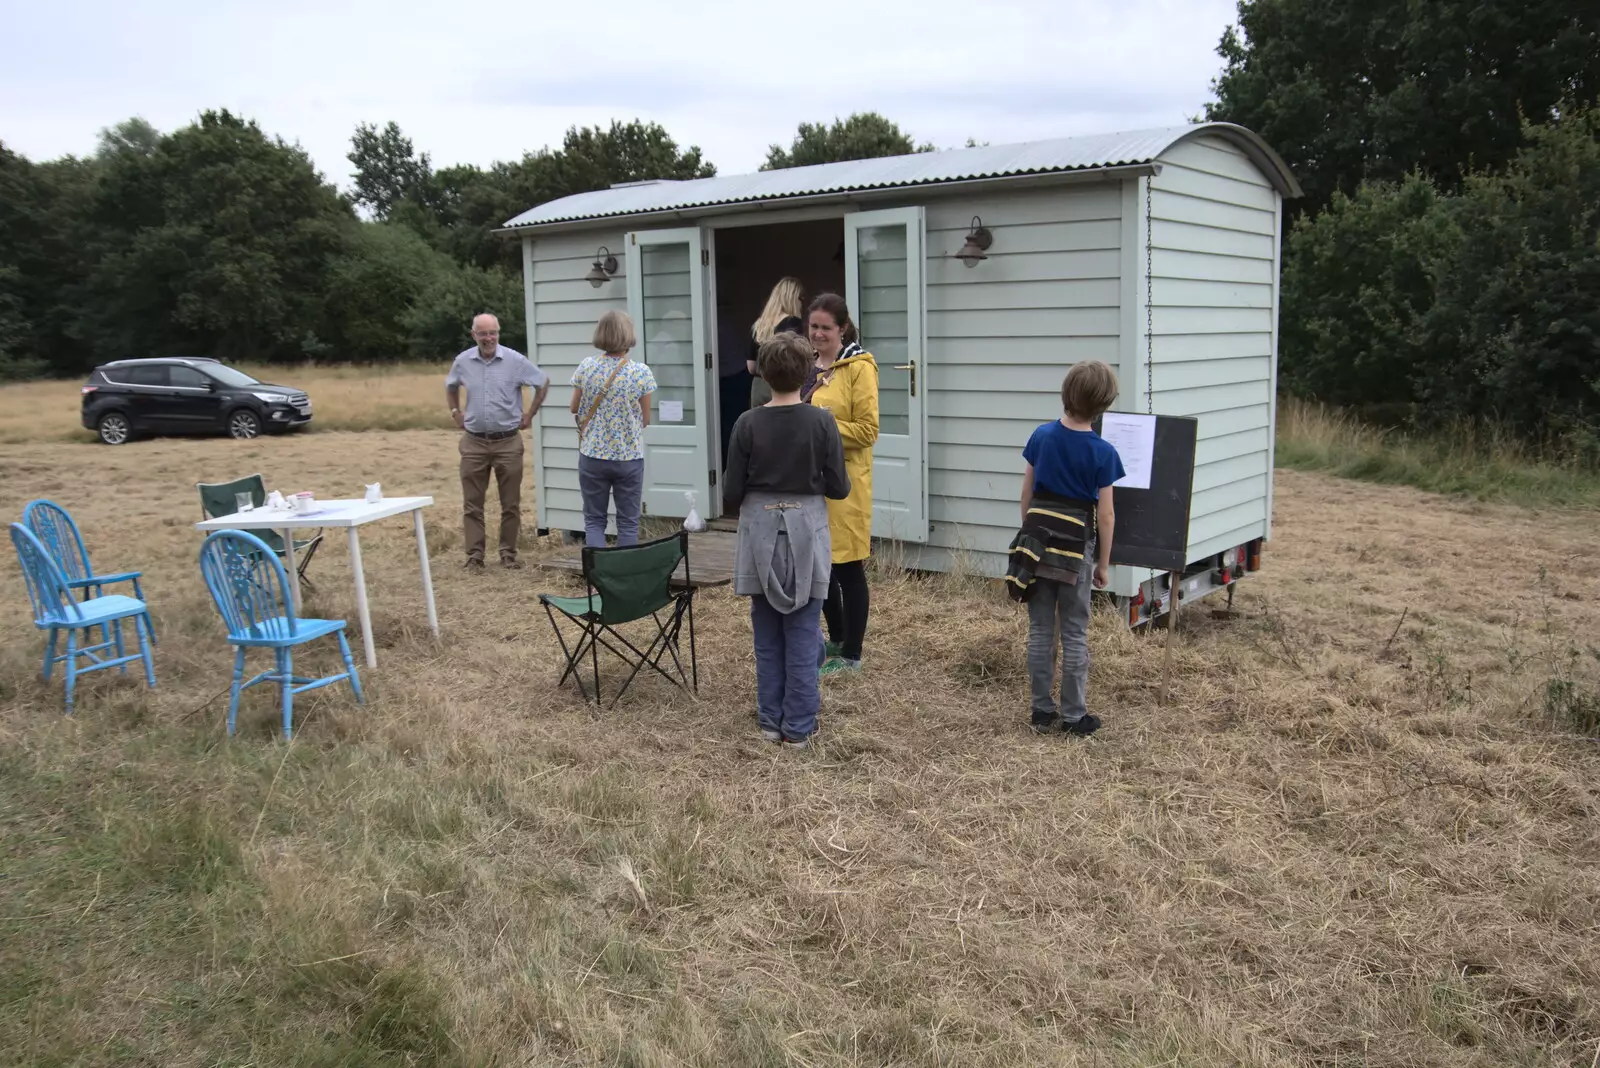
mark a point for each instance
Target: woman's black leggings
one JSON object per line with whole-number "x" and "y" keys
{"x": 846, "y": 607}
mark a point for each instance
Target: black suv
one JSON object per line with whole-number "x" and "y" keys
{"x": 194, "y": 395}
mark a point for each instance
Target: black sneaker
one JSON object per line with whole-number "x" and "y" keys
{"x": 1082, "y": 727}
{"x": 1039, "y": 725}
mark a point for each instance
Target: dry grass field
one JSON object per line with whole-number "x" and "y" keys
{"x": 402, "y": 396}
{"x": 1365, "y": 831}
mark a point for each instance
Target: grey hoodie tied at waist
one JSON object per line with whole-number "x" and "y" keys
{"x": 785, "y": 550}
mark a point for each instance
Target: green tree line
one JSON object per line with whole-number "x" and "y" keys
{"x": 1444, "y": 264}
{"x": 219, "y": 240}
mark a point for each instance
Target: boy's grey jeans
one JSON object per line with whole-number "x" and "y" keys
{"x": 1058, "y": 610}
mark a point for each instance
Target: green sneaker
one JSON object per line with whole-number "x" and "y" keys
{"x": 837, "y": 665}
{"x": 832, "y": 649}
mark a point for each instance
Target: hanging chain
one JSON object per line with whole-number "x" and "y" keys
{"x": 1149, "y": 311}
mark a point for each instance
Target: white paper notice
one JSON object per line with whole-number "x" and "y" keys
{"x": 1134, "y": 438}
{"x": 672, "y": 411}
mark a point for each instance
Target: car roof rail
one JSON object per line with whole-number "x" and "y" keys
{"x": 159, "y": 359}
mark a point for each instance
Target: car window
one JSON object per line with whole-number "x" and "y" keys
{"x": 147, "y": 375}
{"x": 228, "y": 376}
{"x": 188, "y": 377}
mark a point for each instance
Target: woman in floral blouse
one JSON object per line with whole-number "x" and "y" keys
{"x": 611, "y": 400}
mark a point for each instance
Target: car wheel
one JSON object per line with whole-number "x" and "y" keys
{"x": 114, "y": 428}
{"x": 244, "y": 425}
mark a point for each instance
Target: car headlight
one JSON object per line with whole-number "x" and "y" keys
{"x": 271, "y": 398}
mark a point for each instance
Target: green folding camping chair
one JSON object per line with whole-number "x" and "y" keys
{"x": 626, "y": 584}
{"x": 218, "y": 499}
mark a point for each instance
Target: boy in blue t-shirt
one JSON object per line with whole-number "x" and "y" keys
{"x": 1069, "y": 461}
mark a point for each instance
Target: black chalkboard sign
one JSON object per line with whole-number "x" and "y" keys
{"x": 1152, "y": 527}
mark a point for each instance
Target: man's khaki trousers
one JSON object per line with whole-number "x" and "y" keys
{"x": 502, "y": 456}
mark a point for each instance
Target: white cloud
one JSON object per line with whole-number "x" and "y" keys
{"x": 478, "y": 80}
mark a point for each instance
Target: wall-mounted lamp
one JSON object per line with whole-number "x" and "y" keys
{"x": 605, "y": 265}
{"x": 978, "y": 242}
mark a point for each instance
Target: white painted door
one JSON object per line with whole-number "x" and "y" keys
{"x": 667, "y": 299}
{"x": 883, "y": 283}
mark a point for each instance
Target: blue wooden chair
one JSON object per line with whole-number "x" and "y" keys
{"x": 56, "y": 609}
{"x": 251, "y": 590}
{"x": 58, "y": 532}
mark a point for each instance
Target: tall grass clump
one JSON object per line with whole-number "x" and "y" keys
{"x": 1478, "y": 460}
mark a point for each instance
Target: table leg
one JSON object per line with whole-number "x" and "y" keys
{"x": 427, "y": 573}
{"x": 294, "y": 572}
{"x": 362, "y": 611}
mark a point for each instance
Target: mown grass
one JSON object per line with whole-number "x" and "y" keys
{"x": 164, "y": 939}
{"x": 1480, "y": 462}
{"x": 1362, "y": 832}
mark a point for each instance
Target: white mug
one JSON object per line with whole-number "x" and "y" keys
{"x": 304, "y": 502}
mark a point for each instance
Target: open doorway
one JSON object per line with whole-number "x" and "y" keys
{"x": 750, "y": 260}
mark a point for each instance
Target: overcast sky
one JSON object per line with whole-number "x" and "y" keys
{"x": 473, "y": 81}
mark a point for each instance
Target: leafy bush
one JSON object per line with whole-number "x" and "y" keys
{"x": 437, "y": 322}
{"x": 1476, "y": 306}
{"x": 1357, "y": 283}
{"x": 15, "y": 364}
{"x": 371, "y": 286}
{"x": 1515, "y": 329}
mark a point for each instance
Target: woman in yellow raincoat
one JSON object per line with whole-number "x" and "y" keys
{"x": 846, "y": 385}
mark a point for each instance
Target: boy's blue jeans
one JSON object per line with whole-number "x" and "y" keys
{"x": 788, "y": 652}
{"x": 1058, "y": 610}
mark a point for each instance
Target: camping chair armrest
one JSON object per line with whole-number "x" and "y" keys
{"x": 300, "y": 544}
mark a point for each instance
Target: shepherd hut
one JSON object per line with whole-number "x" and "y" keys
{"x": 976, "y": 277}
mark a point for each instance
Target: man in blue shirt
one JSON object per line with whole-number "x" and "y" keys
{"x": 492, "y": 422}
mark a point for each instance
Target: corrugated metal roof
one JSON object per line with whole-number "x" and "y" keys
{"x": 929, "y": 168}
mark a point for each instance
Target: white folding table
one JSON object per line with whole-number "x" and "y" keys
{"x": 350, "y": 515}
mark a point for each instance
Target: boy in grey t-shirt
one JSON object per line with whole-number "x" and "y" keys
{"x": 785, "y": 460}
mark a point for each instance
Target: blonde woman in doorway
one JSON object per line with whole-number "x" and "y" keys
{"x": 846, "y": 385}
{"x": 785, "y": 306}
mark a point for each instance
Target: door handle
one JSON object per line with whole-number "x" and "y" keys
{"x": 912, "y": 367}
